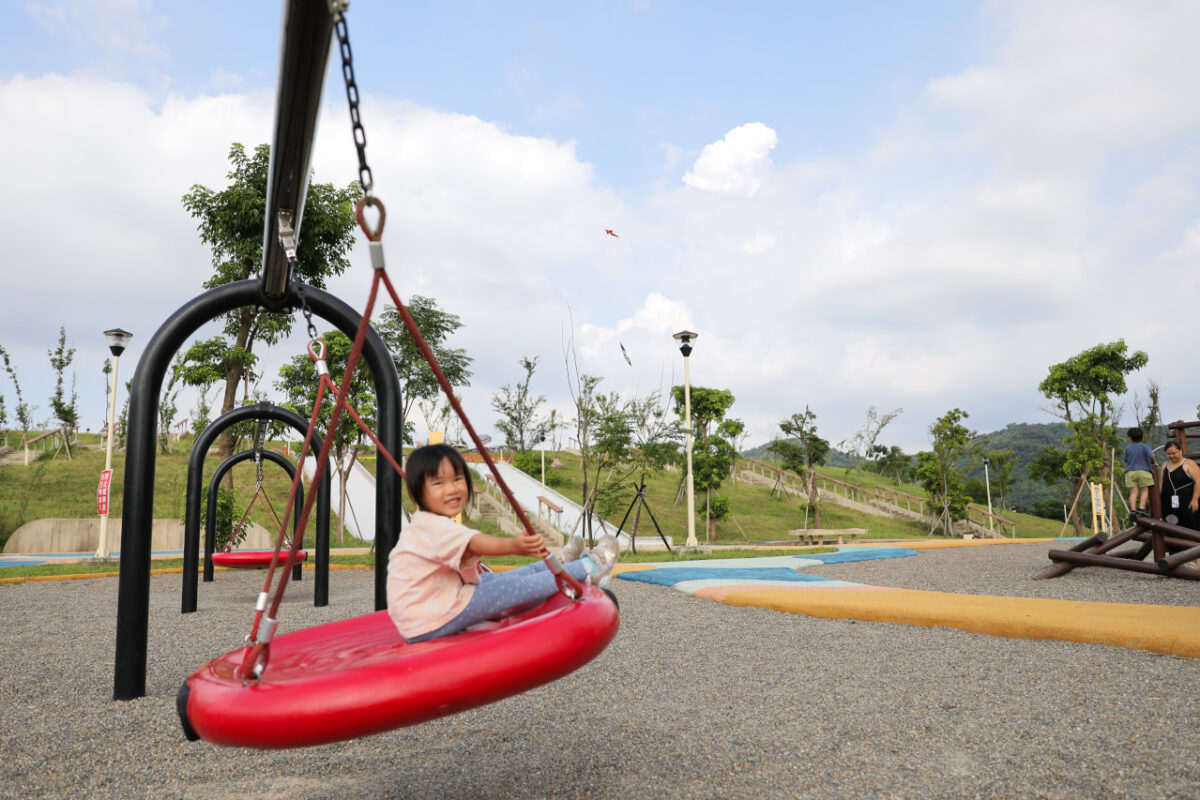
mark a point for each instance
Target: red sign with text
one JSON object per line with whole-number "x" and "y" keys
{"x": 102, "y": 492}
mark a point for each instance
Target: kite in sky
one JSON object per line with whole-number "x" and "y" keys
{"x": 626, "y": 354}
{"x": 610, "y": 233}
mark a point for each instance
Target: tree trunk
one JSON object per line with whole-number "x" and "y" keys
{"x": 708, "y": 520}
{"x": 813, "y": 499}
{"x": 232, "y": 379}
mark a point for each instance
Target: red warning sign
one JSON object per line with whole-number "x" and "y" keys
{"x": 102, "y": 492}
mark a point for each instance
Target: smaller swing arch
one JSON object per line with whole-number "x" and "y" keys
{"x": 241, "y": 559}
{"x": 259, "y": 412}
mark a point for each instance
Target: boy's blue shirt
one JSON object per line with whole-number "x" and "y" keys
{"x": 1138, "y": 455}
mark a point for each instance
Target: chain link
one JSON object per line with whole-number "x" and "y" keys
{"x": 360, "y": 135}
{"x": 298, "y": 290}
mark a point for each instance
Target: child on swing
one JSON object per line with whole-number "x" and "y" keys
{"x": 434, "y": 583}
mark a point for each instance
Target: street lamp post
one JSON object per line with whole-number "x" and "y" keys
{"x": 685, "y": 346}
{"x": 987, "y": 482}
{"x": 542, "y": 440}
{"x": 117, "y": 339}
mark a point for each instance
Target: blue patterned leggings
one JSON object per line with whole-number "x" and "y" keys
{"x": 498, "y": 592}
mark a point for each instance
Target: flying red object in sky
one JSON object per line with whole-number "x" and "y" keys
{"x": 610, "y": 233}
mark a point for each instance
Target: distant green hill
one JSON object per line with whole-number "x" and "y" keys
{"x": 1025, "y": 439}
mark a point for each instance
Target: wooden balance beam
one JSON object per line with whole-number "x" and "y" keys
{"x": 1172, "y": 546}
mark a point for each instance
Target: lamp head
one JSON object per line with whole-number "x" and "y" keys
{"x": 117, "y": 339}
{"x": 685, "y": 341}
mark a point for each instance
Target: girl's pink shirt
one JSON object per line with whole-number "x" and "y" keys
{"x": 429, "y": 580}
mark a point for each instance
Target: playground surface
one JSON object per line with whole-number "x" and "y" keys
{"x": 694, "y": 698}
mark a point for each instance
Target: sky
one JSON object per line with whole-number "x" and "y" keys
{"x": 916, "y": 206}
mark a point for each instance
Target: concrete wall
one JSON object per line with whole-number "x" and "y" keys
{"x": 83, "y": 536}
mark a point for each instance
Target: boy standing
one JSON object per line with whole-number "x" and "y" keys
{"x": 1139, "y": 472}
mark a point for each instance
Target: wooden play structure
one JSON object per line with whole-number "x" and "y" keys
{"x": 1171, "y": 547}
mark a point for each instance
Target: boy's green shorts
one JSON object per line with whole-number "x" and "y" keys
{"x": 1138, "y": 479}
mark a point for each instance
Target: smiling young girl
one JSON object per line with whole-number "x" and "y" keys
{"x": 435, "y": 586}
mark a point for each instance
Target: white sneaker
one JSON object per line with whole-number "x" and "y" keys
{"x": 604, "y": 555}
{"x": 571, "y": 551}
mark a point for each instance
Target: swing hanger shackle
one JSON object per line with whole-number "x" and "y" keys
{"x": 370, "y": 201}
{"x": 316, "y": 351}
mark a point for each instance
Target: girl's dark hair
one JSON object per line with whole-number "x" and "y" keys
{"x": 425, "y": 461}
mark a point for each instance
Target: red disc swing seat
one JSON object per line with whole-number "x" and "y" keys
{"x": 358, "y": 677}
{"x": 249, "y": 559}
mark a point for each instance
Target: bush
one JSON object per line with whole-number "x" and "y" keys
{"x": 1048, "y": 509}
{"x": 530, "y": 462}
{"x": 224, "y": 525}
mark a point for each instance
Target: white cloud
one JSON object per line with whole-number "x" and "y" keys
{"x": 737, "y": 164}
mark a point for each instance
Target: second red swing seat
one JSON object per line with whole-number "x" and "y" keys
{"x": 251, "y": 559}
{"x": 358, "y": 676}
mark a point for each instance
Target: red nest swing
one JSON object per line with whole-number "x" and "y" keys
{"x": 249, "y": 559}
{"x": 359, "y": 677}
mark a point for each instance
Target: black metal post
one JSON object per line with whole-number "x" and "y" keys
{"x": 133, "y": 600}
{"x": 303, "y": 55}
{"x": 195, "y": 479}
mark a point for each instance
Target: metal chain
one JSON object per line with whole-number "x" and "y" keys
{"x": 360, "y": 135}
{"x": 298, "y": 290}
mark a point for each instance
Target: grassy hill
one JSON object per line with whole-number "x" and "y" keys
{"x": 1024, "y": 439}
{"x": 58, "y": 487}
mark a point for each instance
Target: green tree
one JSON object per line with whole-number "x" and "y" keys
{"x": 167, "y": 408}
{"x": 23, "y": 411}
{"x": 862, "y": 445}
{"x": 416, "y": 376}
{"x": 299, "y": 382}
{"x": 65, "y": 410}
{"x": 713, "y": 448}
{"x": 942, "y": 471}
{"x": 802, "y": 451}
{"x": 656, "y": 438}
{"x": 1084, "y": 389}
{"x": 518, "y": 408}
{"x": 231, "y": 223}
{"x": 893, "y": 462}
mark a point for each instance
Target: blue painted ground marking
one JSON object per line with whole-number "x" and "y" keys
{"x": 669, "y": 576}
{"x": 7, "y": 563}
{"x": 771, "y": 569}
{"x": 851, "y": 554}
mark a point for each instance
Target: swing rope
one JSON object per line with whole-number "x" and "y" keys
{"x": 267, "y": 606}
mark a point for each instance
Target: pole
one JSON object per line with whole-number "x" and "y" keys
{"x": 988, "y": 483}
{"x": 691, "y": 492}
{"x": 102, "y": 548}
{"x": 543, "y": 464}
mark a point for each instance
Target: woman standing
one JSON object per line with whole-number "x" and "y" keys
{"x": 1180, "y": 479}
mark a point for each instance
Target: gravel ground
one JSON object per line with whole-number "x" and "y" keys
{"x": 693, "y": 699}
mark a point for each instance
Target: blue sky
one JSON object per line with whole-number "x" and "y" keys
{"x": 918, "y": 205}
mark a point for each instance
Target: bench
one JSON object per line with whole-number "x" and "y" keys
{"x": 821, "y": 536}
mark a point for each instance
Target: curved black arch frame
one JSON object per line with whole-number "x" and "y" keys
{"x": 210, "y": 518}
{"x": 195, "y": 478}
{"x": 133, "y": 598}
